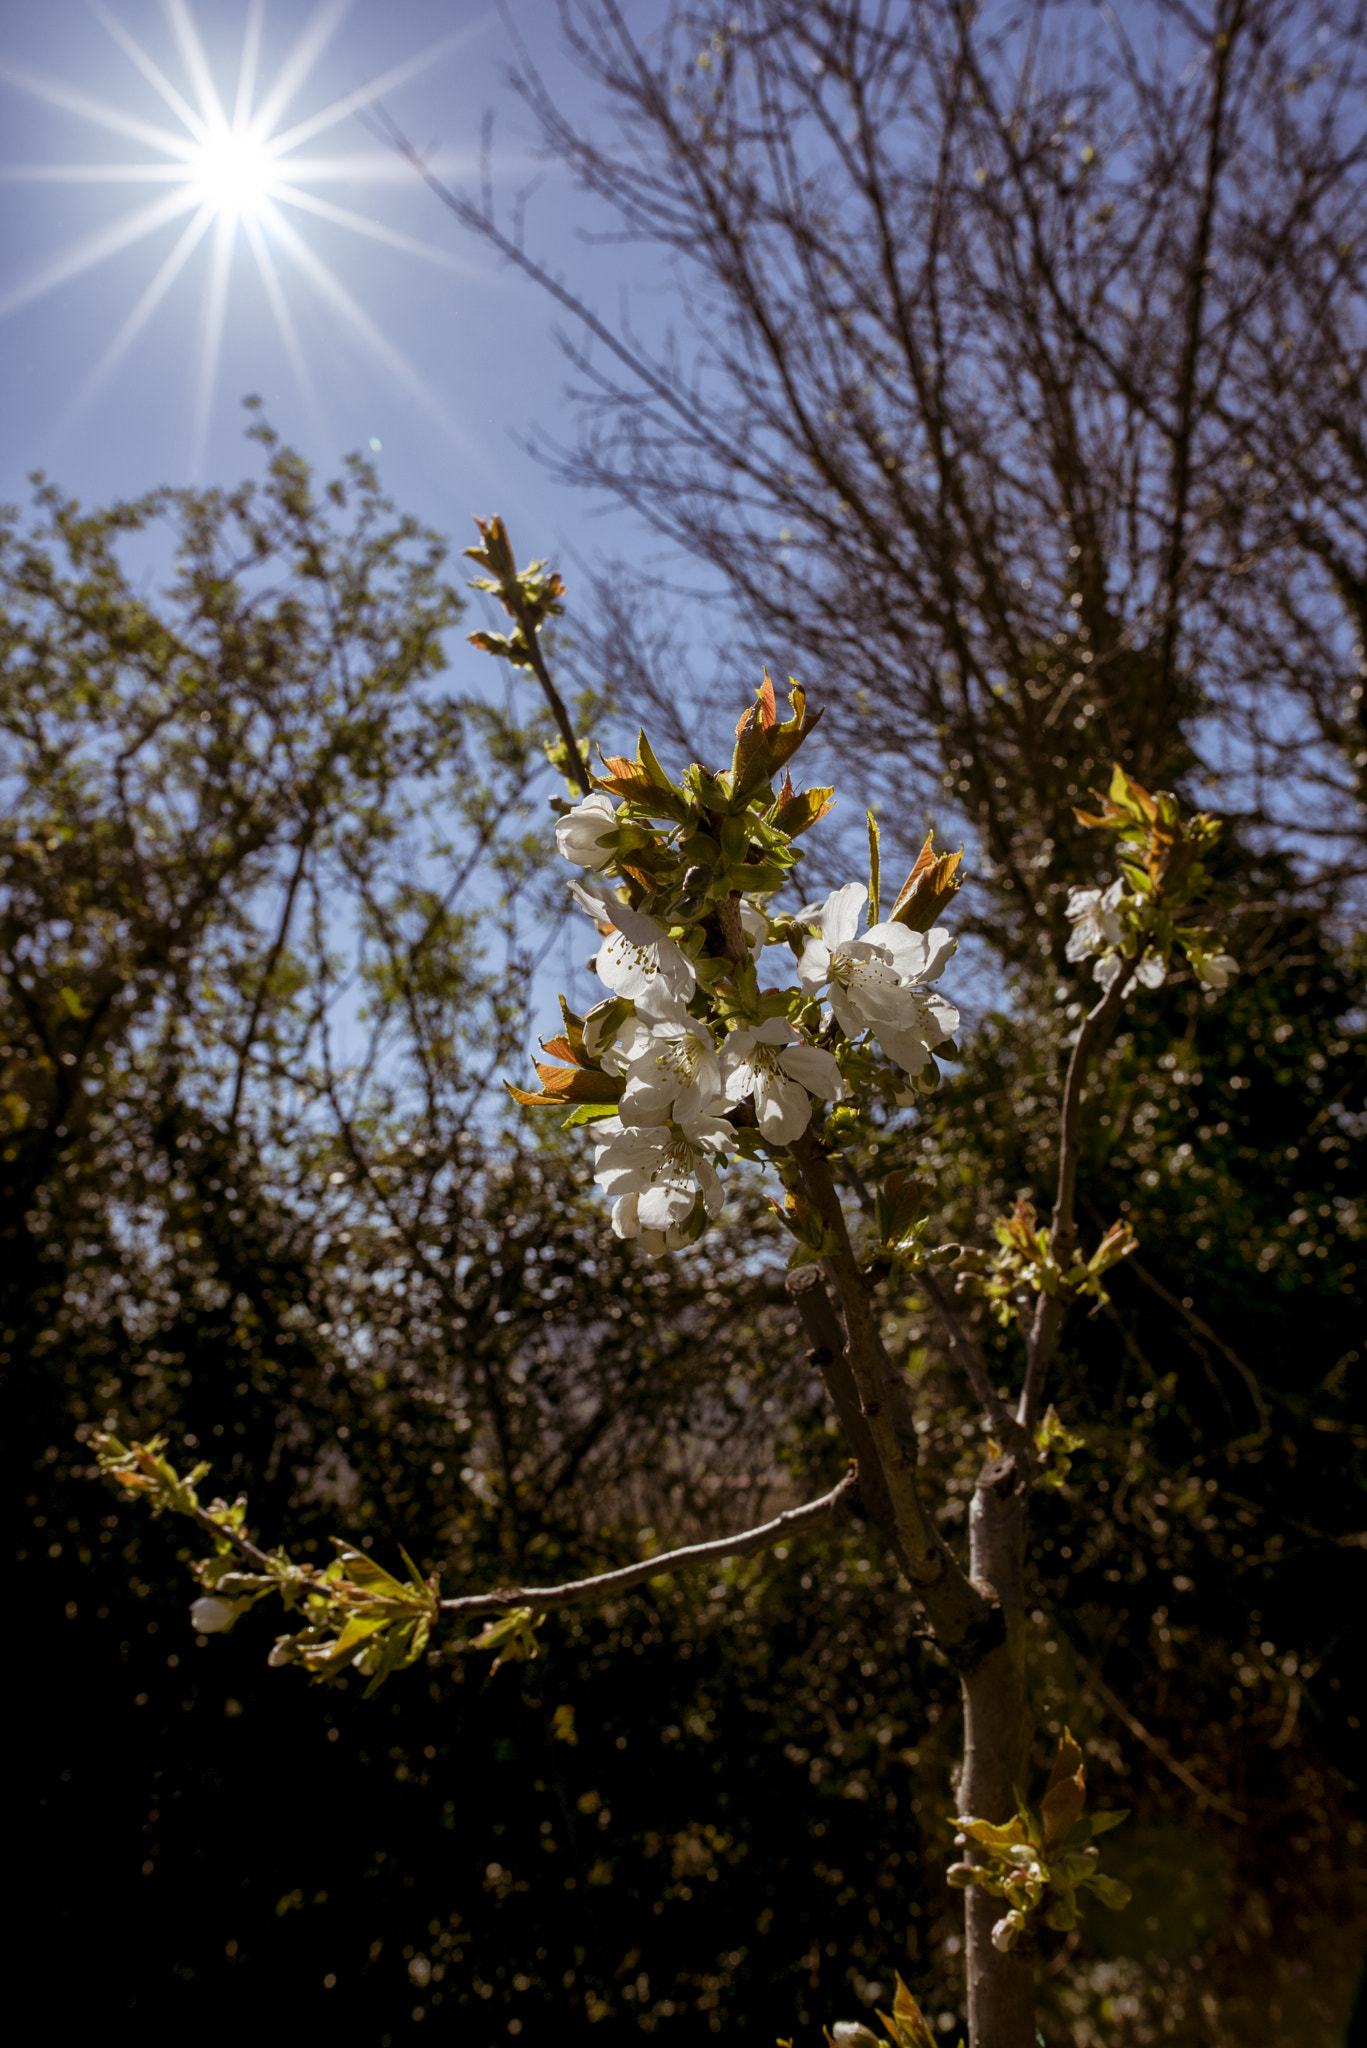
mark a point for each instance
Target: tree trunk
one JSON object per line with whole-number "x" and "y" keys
{"x": 1001, "y": 1988}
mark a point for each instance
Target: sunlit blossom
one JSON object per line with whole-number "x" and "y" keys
{"x": 671, "y": 1069}
{"x": 775, "y": 1065}
{"x": 638, "y": 960}
{"x": 1216, "y": 969}
{"x": 879, "y": 982}
{"x": 655, "y": 1174}
{"x": 580, "y": 833}
{"x": 1096, "y": 921}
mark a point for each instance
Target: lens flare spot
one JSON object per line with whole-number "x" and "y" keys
{"x": 233, "y": 172}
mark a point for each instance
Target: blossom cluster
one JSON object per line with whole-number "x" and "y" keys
{"x": 687, "y": 1060}
{"x": 657, "y": 1158}
{"x": 1131, "y": 926}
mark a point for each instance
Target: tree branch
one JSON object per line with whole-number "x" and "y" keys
{"x": 1157, "y": 1747}
{"x": 1042, "y": 1339}
{"x": 553, "y": 696}
{"x": 257, "y": 1559}
{"x": 962, "y": 1616}
{"x": 1006, "y": 1427}
{"x": 826, "y": 1336}
{"x": 793, "y": 1522}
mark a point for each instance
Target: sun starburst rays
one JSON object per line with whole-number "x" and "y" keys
{"x": 230, "y": 170}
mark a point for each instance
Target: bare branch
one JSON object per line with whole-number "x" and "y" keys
{"x": 552, "y": 695}
{"x": 1157, "y": 1747}
{"x": 793, "y": 1522}
{"x": 1043, "y": 1336}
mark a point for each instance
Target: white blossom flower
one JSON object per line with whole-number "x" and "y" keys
{"x": 639, "y": 961}
{"x": 1215, "y": 971}
{"x": 655, "y": 1173}
{"x": 1097, "y": 925}
{"x": 868, "y": 977}
{"x": 671, "y": 1068}
{"x": 1150, "y": 973}
{"x": 626, "y": 1223}
{"x": 580, "y": 833}
{"x": 211, "y": 1615}
{"x": 774, "y": 1063}
{"x": 934, "y": 1020}
{"x": 879, "y": 982}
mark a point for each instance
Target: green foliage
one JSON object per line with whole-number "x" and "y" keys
{"x": 1043, "y": 1857}
{"x": 1025, "y": 1265}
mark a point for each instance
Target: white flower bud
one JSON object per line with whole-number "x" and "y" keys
{"x": 580, "y": 833}
{"x": 1007, "y": 1930}
{"x": 1217, "y": 969}
{"x": 211, "y": 1615}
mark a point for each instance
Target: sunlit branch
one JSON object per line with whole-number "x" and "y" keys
{"x": 794, "y": 1522}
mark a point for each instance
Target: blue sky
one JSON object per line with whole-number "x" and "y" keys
{"x": 125, "y": 355}
{"x": 404, "y": 330}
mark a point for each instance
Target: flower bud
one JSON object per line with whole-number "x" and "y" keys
{"x": 211, "y": 1615}
{"x": 1007, "y": 1932}
{"x": 580, "y": 833}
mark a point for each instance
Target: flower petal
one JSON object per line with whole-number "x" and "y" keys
{"x": 840, "y": 914}
{"x": 783, "y": 1107}
{"x": 814, "y": 965}
{"x": 816, "y": 1069}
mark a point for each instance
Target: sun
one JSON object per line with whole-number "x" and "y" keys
{"x": 240, "y": 174}
{"x": 233, "y": 172}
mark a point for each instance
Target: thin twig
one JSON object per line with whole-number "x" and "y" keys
{"x": 543, "y": 675}
{"x": 793, "y": 1522}
{"x": 1157, "y": 1747}
{"x": 1049, "y": 1314}
{"x": 1203, "y": 1329}
{"x": 1008, "y": 1429}
{"x": 257, "y": 1558}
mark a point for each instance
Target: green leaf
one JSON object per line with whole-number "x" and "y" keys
{"x": 588, "y": 1113}
{"x": 396, "y": 1654}
{"x": 646, "y": 756}
{"x": 873, "y": 867}
{"x": 1102, "y": 1823}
